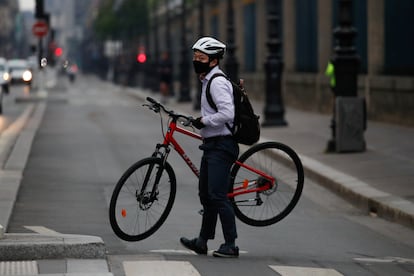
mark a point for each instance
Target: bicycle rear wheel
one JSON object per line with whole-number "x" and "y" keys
{"x": 269, "y": 206}
{"x": 138, "y": 205}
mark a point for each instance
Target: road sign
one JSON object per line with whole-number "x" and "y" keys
{"x": 40, "y": 28}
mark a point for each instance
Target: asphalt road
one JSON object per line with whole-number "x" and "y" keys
{"x": 93, "y": 131}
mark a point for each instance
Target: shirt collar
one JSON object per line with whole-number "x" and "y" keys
{"x": 212, "y": 72}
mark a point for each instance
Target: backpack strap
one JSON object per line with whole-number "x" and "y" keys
{"x": 208, "y": 94}
{"x": 210, "y": 98}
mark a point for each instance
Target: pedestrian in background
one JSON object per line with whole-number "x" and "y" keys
{"x": 219, "y": 148}
{"x": 165, "y": 74}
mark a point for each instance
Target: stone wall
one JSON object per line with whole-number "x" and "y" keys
{"x": 389, "y": 99}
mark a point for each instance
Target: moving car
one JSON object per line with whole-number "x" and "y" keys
{"x": 20, "y": 71}
{"x": 4, "y": 75}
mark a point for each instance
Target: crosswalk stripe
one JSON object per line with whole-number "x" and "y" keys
{"x": 304, "y": 271}
{"x": 165, "y": 268}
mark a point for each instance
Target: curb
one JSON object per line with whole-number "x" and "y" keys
{"x": 361, "y": 194}
{"x": 15, "y": 247}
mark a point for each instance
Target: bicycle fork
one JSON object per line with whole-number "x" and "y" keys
{"x": 144, "y": 198}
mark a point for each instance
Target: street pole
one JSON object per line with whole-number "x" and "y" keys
{"x": 39, "y": 14}
{"x": 197, "y": 102}
{"x": 167, "y": 26}
{"x": 345, "y": 61}
{"x": 274, "y": 110}
{"x": 184, "y": 73}
{"x": 168, "y": 40}
{"x": 231, "y": 65}
{"x": 154, "y": 67}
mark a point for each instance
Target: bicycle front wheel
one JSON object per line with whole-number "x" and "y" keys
{"x": 142, "y": 199}
{"x": 268, "y": 180}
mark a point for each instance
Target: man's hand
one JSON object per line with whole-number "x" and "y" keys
{"x": 197, "y": 123}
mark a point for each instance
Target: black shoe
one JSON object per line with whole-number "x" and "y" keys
{"x": 192, "y": 245}
{"x": 226, "y": 251}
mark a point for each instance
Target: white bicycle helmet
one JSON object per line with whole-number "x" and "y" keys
{"x": 210, "y": 46}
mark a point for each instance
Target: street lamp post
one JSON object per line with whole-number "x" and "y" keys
{"x": 40, "y": 14}
{"x": 231, "y": 65}
{"x": 197, "y": 102}
{"x": 167, "y": 24}
{"x": 153, "y": 62}
{"x": 345, "y": 61}
{"x": 184, "y": 73}
{"x": 168, "y": 38}
{"x": 274, "y": 110}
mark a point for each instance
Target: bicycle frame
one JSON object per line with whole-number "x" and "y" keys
{"x": 245, "y": 188}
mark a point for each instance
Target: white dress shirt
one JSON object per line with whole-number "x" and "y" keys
{"x": 221, "y": 92}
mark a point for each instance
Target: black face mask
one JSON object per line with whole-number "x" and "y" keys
{"x": 201, "y": 67}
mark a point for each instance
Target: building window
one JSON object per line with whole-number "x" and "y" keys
{"x": 306, "y": 36}
{"x": 249, "y": 20}
{"x": 399, "y": 37}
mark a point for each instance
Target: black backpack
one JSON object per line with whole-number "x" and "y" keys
{"x": 246, "y": 127}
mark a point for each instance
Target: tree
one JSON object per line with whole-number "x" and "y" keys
{"x": 125, "y": 21}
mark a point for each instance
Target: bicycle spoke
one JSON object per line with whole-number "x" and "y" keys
{"x": 270, "y": 205}
{"x": 136, "y": 212}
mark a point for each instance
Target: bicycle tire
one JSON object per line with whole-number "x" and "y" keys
{"x": 133, "y": 216}
{"x": 268, "y": 207}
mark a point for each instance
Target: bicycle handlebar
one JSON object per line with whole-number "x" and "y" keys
{"x": 157, "y": 107}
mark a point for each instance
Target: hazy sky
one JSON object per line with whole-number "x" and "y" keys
{"x": 27, "y": 4}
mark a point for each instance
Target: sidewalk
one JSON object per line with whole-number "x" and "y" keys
{"x": 379, "y": 180}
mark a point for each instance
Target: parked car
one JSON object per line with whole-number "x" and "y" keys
{"x": 20, "y": 71}
{"x": 4, "y": 75}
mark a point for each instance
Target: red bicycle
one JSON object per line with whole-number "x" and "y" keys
{"x": 267, "y": 182}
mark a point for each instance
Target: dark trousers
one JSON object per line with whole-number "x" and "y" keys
{"x": 218, "y": 157}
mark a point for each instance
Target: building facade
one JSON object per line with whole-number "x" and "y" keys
{"x": 10, "y": 28}
{"x": 384, "y": 43}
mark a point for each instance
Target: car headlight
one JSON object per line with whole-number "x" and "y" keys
{"x": 6, "y": 76}
{"x": 27, "y": 75}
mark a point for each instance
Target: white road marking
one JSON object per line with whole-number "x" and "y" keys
{"x": 155, "y": 268}
{"x": 186, "y": 252}
{"x": 173, "y": 251}
{"x": 386, "y": 260}
{"x": 304, "y": 271}
{"x": 42, "y": 230}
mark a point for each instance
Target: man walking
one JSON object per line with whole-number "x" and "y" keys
{"x": 219, "y": 151}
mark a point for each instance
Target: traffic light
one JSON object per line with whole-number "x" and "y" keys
{"x": 58, "y": 51}
{"x": 141, "y": 57}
